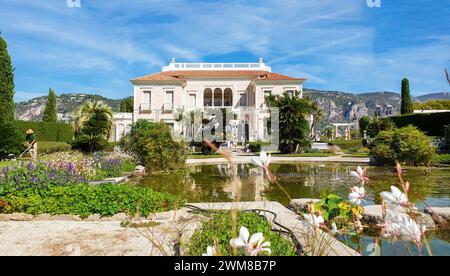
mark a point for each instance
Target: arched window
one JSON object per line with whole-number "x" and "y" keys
{"x": 218, "y": 97}
{"x": 207, "y": 97}
{"x": 228, "y": 97}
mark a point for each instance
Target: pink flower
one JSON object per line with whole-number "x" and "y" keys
{"x": 263, "y": 161}
{"x": 357, "y": 195}
{"x": 395, "y": 197}
{"x": 360, "y": 174}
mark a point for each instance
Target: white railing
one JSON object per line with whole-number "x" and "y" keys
{"x": 147, "y": 107}
{"x": 175, "y": 66}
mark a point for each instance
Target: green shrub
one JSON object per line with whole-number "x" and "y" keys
{"x": 85, "y": 200}
{"x": 440, "y": 159}
{"x": 220, "y": 228}
{"x": 51, "y": 147}
{"x": 348, "y": 145}
{"x": 257, "y": 146}
{"x": 431, "y": 123}
{"x": 407, "y": 145}
{"x": 47, "y": 131}
{"x": 11, "y": 140}
{"x": 153, "y": 145}
{"x": 377, "y": 125}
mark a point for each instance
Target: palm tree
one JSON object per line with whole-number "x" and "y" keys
{"x": 293, "y": 125}
{"x": 317, "y": 114}
{"x": 88, "y": 111}
{"x": 92, "y": 125}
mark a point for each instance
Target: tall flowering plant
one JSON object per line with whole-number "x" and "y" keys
{"x": 399, "y": 215}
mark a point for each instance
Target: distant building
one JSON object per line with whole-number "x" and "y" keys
{"x": 430, "y": 111}
{"x": 386, "y": 111}
{"x": 121, "y": 125}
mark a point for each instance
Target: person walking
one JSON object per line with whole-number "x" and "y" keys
{"x": 32, "y": 144}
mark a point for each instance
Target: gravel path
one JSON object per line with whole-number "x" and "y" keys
{"x": 90, "y": 238}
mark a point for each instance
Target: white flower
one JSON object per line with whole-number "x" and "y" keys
{"x": 401, "y": 226}
{"x": 263, "y": 160}
{"x": 334, "y": 229}
{"x": 211, "y": 251}
{"x": 313, "y": 220}
{"x": 411, "y": 231}
{"x": 357, "y": 195}
{"x": 253, "y": 245}
{"x": 360, "y": 174}
{"x": 395, "y": 197}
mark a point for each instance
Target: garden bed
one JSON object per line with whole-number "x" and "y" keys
{"x": 219, "y": 229}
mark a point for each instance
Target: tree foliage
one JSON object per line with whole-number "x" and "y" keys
{"x": 377, "y": 125}
{"x": 154, "y": 147}
{"x": 6, "y": 84}
{"x": 364, "y": 123}
{"x": 10, "y": 139}
{"x": 433, "y": 105}
{"x": 294, "y": 128}
{"x": 127, "y": 105}
{"x": 406, "y": 105}
{"x": 50, "y": 111}
{"x": 406, "y": 145}
{"x": 92, "y": 126}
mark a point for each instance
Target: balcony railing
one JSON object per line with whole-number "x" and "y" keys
{"x": 148, "y": 107}
{"x": 168, "y": 107}
{"x": 175, "y": 66}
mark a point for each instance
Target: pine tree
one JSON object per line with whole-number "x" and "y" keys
{"x": 407, "y": 105}
{"x": 6, "y": 84}
{"x": 50, "y": 112}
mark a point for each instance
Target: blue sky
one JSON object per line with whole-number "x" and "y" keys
{"x": 336, "y": 44}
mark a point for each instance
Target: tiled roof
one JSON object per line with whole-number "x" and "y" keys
{"x": 183, "y": 75}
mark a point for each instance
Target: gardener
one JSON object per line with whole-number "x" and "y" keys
{"x": 32, "y": 143}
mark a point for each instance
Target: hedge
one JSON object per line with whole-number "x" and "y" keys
{"x": 350, "y": 145}
{"x": 51, "y": 147}
{"x": 432, "y": 123}
{"x": 47, "y": 131}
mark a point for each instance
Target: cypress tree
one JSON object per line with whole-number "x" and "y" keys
{"x": 6, "y": 84}
{"x": 407, "y": 105}
{"x": 123, "y": 106}
{"x": 50, "y": 112}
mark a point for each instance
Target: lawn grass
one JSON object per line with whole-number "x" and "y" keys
{"x": 201, "y": 156}
{"x": 5, "y": 163}
{"x": 357, "y": 155}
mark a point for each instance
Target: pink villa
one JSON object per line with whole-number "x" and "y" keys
{"x": 189, "y": 87}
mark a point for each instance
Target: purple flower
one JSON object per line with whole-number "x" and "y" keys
{"x": 18, "y": 180}
{"x": 5, "y": 170}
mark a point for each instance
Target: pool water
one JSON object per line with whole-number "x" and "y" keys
{"x": 212, "y": 183}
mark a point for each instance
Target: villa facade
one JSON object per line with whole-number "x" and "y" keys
{"x": 185, "y": 87}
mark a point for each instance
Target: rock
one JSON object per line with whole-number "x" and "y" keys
{"x": 16, "y": 217}
{"x": 373, "y": 215}
{"x": 300, "y": 205}
{"x": 441, "y": 215}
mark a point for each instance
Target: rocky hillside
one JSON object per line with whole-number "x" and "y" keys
{"x": 344, "y": 107}
{"x": 434, "y": 96}
{"x": 33, "y": 109}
